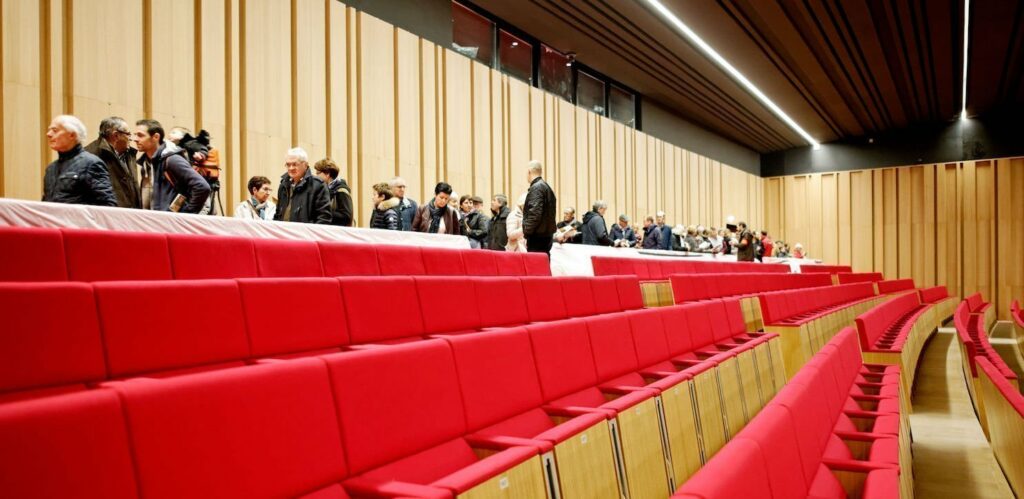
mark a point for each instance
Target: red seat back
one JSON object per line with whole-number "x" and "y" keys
{"x": 371, "y": 304}
{"x": 344, "y": 259}
{"x": 578, "y": 295}
{"x": 32, "y": 254}
{"x": 443, "y": 261}
{"x": 400, "y": 260}
{"x": 537, "y": 264}
{"x": 448, "y": 304}
{"x": 480, "y": 263}
{"x": 510, "y": 264}
{"x": 544, "y": 300}
{"x": 287, "y": 258}
{"x": 606, "y": 294}
{"x": 100, "y": 255}
{"x": 211, "y": 257}
{"x": 565, "y": 363}
{"x": 275, "y": 329}
{"x": 629, "y": 293}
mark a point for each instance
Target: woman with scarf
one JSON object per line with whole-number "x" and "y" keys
{"x": 259, "y": 206}
{"x": 436, "y": 217}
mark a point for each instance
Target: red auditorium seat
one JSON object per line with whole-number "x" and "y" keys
{"x": 169, "y": 327}
{"x": 383, "y": 310}
{"x": 606, "y": 294}
{"x": 403, "y": 426}
{"x": 629, "y": 292}
{"x": 277, "y": 330}
{"x": 50, "y": 341}
{"x": 259, "y": 431}
{"x": 536, "y": 264}
{"x": 738, "y": 470}
{"x": 400, "y": 260}
{"x": 73, "y": 445}
{"x": 480, "y": 263}
{"x": 443, "y": 261}
{"x": 544, "y": 300}
{"x": 510, "y": 264}
{"x": 502, "y": 301}
{"x": 578, "y": 295}
{"x": 933, "y": 295}
{"x": 99, "y": 255}
{"x": 211, "y": 257}
{"x": 32, "y": 254}
{"x": 348, "y": 259}
{"x": 287, "y": 258}
{"x": 895, "y": 285}
{"x": 448, "y": 304}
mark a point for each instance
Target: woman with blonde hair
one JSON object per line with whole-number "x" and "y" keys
{"x": 514, "y": 228}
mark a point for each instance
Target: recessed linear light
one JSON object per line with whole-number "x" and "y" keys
{"x": 724, "y": 64}
{"x": 967, "y": 15}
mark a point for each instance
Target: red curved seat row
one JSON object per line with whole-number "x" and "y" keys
{"x": 885, "y": 327}
{"x": 696, "y": 287}
{"x": 933, "y": 294}
{"x": 798, "y": 306}
{"x": 661, "y": 269}
{"x": 853, "y": 277}
{"x": 42, "y": 254}
{"x": 895, "y": 286}
{"x": 825, "y": 269}
{"x": 970, "y": 328}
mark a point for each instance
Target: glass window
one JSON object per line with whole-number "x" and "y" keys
{"x": 515, "y": 56}
{"x": 472, "y": 34}
{"x": 590, "y": 93}
{"x": 623, "y": 107}
{"x": 555, "y": 72}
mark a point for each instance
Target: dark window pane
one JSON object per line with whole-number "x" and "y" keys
{"x": 622, "y": 106}
{"x": 555, "y": 72}
{"x": 590, "y": 93}
{"x": 515, "y": 56}
{"x": 472, "y": 34}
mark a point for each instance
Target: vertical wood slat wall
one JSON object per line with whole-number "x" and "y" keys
{"x": 954, "y": 224}
{"x": 266, "y": 75}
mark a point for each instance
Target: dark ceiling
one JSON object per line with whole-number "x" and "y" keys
{"x": 839, "y": 68}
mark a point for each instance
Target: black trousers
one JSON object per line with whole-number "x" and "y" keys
{"x": 539, "y": 244}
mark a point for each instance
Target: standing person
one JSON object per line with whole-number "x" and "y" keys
{"x": 568, "y": 230}
{"x": 341, "y": 196}
{"x": 259, "y": 206}
{"x": 407, "y": 206}
{"x": 665, "y": 239}
{"x": 766, "y": 243}
{"x": 538, "y": 211}
{"x": 385, "y": 209}
{"x": 474, "y": 224}
{"x": 113, "y": 147}
{"x": 745, "y": 244}
{"x": 622, "y": 234}
{"x": 301, "y": 197}
{"x": 497, "y": 230}
{"x": 514, "y": 229}
{"x": 594, "y": 230}
{"x": 176, "y": 185}
{"x": 652, "y": 234}
{"x": 437, "y": 217}
{"x": 798, "y": 251}
{"x": 76, "y": 176}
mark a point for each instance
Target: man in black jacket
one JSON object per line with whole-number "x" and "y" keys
{"x": 594, "y": 230}
{"x": 114, "y": 148}
{"x": 538, "y": 211}
{"x": 341, "y": 197}
{"x": 76, "y": 177}
{"x": 475, "y": 223}
{"x": 622, "y": 234}
{"x": 497, "y": 231}
{"x": 302, "y": 197}
{"x": 176, "y": 185}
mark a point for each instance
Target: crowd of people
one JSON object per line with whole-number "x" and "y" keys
{"x": 176, "y": 171}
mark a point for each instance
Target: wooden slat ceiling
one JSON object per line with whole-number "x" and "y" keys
{"x": 839, "y": 68}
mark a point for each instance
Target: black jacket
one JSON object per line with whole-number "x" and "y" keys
{"x": 625, "y": 234}
{"x": 595, "y": 232}
{"x": 745, "y": 253}
{"x": 123, "y": 178}
{"x": 183, "y": 179}
{"x": 309, "y": 201}
{"x": 341, "y": 203}
{"x": 652, "y": 237}
{"x": 539, "y": 210}
{"x": 475, "y": 226}
{"x": 385, "y": 216}
{"x": 497, "y": 230}
{"x": 78, "y": 177}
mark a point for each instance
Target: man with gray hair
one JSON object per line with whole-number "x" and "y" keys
{"x": 302, "y": 197}
{"x": 77, "y": 176}
{"x": 538, "y": 211}
{"x": 113, "y": 147}
{"x": 622, "y": 234}
{"x": 406, "y": 205}
{"x": 594, "y": 230}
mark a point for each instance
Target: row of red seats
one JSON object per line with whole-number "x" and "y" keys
{"x": 436, "y": 418}
{"x": 973, "y": 334}
{"x": 934, "y": 294}
{"x": 853, "y": 277}
{"x": 1003, "y": 421}
{"x": 887, "y": 326}
{"x": 825, "y": 269}
{"x": 661, "y": 269}
{"x": 821, "y": 437}
{"x": 39, "y": 254}
{"x": 895, "y": 286}
{"x": 794, "y": 307}
{"x": 696, "y": 287}
{"x": 64, "y": 336}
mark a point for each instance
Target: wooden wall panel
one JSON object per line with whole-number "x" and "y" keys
{"x": 310, "y": 78}
{"x": 480, "y": 164}
{"x": 431, "y": 115}
{"x": 408, "y": 84}
{"x": 1010, "y": 232}
{"x": 375, "y": 108}
{"x": 520, "y": 139}
{"x": 566, "y": 186}
{"x": 25, "y": 153}
{"x": 174, "y": 74}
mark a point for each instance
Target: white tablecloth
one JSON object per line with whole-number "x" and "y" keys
{"x": 574, "y": 259}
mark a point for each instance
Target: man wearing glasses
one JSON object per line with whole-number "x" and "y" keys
{"x": 406, "y": 205}
{"x": 114, "y": 148}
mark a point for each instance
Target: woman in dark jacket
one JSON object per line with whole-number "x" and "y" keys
{"x": 385, "y": 215}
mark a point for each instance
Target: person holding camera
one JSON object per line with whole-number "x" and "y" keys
{"x": 176, "y": 185}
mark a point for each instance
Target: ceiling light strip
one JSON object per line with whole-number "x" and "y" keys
{"x": 967, "y": 16}
{"x": 724, "y": 64}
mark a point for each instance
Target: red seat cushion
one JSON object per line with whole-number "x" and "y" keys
{"x": 32, "y": 254}
{"x": 443, "y": 261}
{"x": 267, "y": 430}
{"x": 285, "y": 258}
{"x": 273, "y": 331}
{"x": 50, "y": 336}
{"x": 502, "y": 301}
{"x": 544, "y": 299}
{"x": 773, "y": 432}
{"x": 344, "y": 259}
{"x": 448, "y": 304}
{"x": 400, "y": 260}
{"x": 67, "y": 446}
{"x": 372, "y": 305}
{"x": 536, "y": 264}
{"x": 211, "y": 257}
{"x": 166, "y": 325}
{"x": 100, "y": 255}
{"x": 481, "y": 263}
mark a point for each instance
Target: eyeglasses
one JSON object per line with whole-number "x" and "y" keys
{"x": 126, "y": 133}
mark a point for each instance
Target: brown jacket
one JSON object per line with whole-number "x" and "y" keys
{"x": 123, "y": 178}
{"x": 421, "y": 223}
